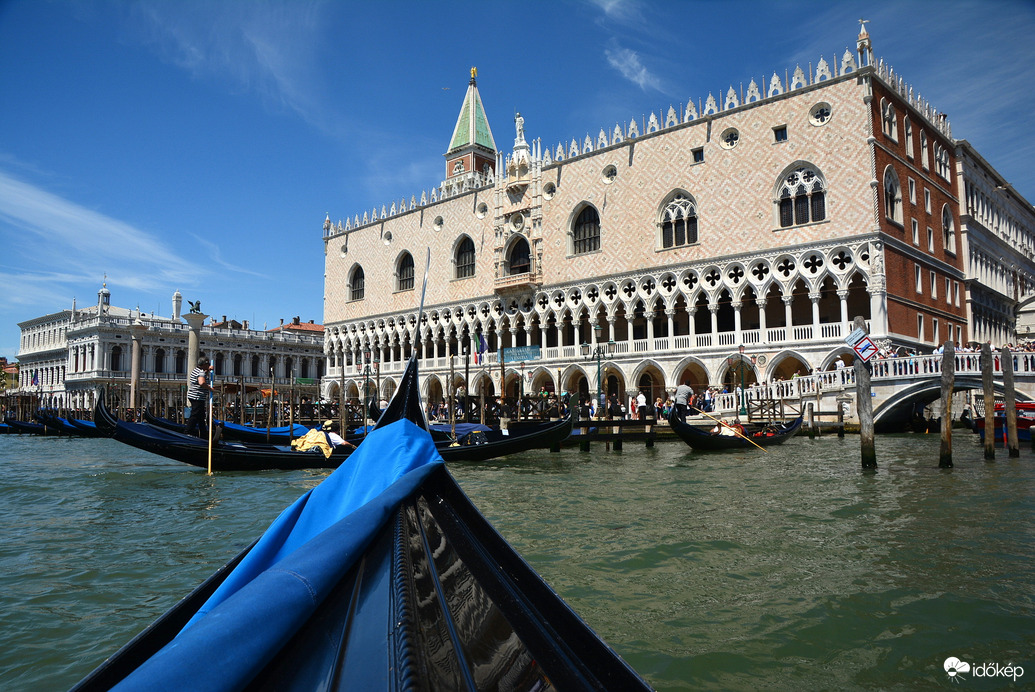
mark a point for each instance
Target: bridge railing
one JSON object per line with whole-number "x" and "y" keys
{"x": 884, "y": 370}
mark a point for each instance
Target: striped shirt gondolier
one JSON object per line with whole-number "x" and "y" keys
{"x": 194, "y": 391}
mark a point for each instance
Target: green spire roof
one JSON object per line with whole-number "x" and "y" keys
{"x": 472, "y": 127}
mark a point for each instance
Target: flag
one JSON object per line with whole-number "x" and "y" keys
{"x": 35, "y": 379}
{"x": 482, "y": 347}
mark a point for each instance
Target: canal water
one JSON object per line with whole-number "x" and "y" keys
{"x": 787, "y": 570}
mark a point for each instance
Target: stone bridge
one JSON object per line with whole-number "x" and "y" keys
{"x": 899, "y": 386}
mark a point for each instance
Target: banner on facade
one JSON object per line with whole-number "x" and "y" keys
{"x": 521, "y": 354}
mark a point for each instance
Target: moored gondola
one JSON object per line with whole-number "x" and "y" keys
{"x": 754, "y": 436}
{"x": 228, "y": 455}
{"x": 385, "y": 576}
{"x": 281, "y": 435}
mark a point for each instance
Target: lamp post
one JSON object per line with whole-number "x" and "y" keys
{"x": 377, "y": 375}
{"x": 597, "y": 351}
{"x": 365, "y": 406}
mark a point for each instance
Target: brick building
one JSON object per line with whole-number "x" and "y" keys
{"x": 726, "y": 240}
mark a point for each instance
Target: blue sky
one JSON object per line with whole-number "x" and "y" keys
{"x": 198, "y": 145}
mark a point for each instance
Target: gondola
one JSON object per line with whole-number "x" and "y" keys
{"x": 226, "y": 455}
{"x": 69, "y": 426}
{"x": 763, "y": 436}
{"x": 385, "y": 576}
{"x": 21, "y": 427}
{"x": 281, "y": 435}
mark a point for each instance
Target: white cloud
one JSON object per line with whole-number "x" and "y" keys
{"x": 62, "y": 242}
{"x": 628, "y": 64}
{"x": 266, "y": 48}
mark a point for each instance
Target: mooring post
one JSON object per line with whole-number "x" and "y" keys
{"x": 1010, "y": 404}
{"x": 810, "y": 421}
{"x": 840, "y": 418}
{"x": 988, "y": 392}
{"x": 948, "y": 382}
{"x": 864, "y": 405}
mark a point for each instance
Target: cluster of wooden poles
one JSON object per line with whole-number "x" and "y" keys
{"x": 948, "y": 382}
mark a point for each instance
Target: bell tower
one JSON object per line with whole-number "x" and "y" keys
{"x": 471, "y": 148}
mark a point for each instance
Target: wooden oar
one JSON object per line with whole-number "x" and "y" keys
{"x": 736, "y": 432}
{"x": 210, "y": 433}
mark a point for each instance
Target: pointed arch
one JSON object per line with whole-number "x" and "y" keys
{"x": 676, "y": 224}
{"x": 800, "y": 195}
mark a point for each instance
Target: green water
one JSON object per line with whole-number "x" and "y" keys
{"x": 791, "y": 570}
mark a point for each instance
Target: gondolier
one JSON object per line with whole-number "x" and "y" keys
{"x": 198, "y": 390}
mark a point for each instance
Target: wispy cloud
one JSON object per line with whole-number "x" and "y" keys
{"x": 266, "y": 48}
{"x": 70, "y": 244}
{"x": 628, "y": 64}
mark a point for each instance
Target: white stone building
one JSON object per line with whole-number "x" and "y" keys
{"x": 728, "y": 239}
{"x": 67, "y": 356}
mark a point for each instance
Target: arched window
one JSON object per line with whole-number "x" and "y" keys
{"x": 218, "y": 366}
{"x": 520, "y": 258}
{"x": 907, "y": 129}
{"x": 181, "y": 362}
{"x": 801, "y": 198}
{"x": 116, "y": 358}
{"x": 465, "y": 259}
{"x": 679, "y": 222}
{"x": 255, "y": 366}
{"x": 948, "y": 230}
{"x": 237, "y": 365}
{"x": 160, "y": 360}
{"x": 892, "y": 196}
{"x": 358, "y": 284}
{"x": 585, "y": 234}
{"x": 405, "y": 272}
{"x": 890, "y": 124}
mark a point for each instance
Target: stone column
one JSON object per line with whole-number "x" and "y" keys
{"x": 814, "y": 298}
{"x": 737, "y": 328}
{"x": 195, "y": 320}
{"x": 788, "y": 317}
{"x": 136, "y": 331}
{"x": 763, "y": 335}
{"x": 843, "y": 296}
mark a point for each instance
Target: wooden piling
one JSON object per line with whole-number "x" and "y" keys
{"x": 988, "y": 392}
{"x": 810, "y": 421}
{"x": 1009, "y": 404}
{"x": 948, "y": 382}
{"x": 864, "y": 406}
{"x": 840, "y": 419}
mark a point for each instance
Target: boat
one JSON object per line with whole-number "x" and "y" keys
{"x": 521, "y": 436}
{"x": 227, "y": 455}
{"x": 385, "y": 576}
{"x": 21, "y": 427}
{"x": 1025, "y": 419}
{"x": 68, "y": 426}
{"x": 762, "y": 436}
{"x": 281, "y": 435}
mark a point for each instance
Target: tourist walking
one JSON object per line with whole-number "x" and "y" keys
{"x": 683, "y": 395}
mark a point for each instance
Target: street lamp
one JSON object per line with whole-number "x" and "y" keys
{"x": 377, "y": 374}
{"x": 365, "y": 407}
{"x": 597, "y": 352}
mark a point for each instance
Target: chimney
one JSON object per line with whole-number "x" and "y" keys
{"x": 281, "y": 321}
{"x": 296, "y": 320}
{"x": 224, "y": 319}
{"x": 246, "y": 324}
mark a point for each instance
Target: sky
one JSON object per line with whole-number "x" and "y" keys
{"x": 198, "y": 145}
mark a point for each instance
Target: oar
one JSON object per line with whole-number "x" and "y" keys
{"x": 735, "y": 432}
{"x": 210, "y": 433}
